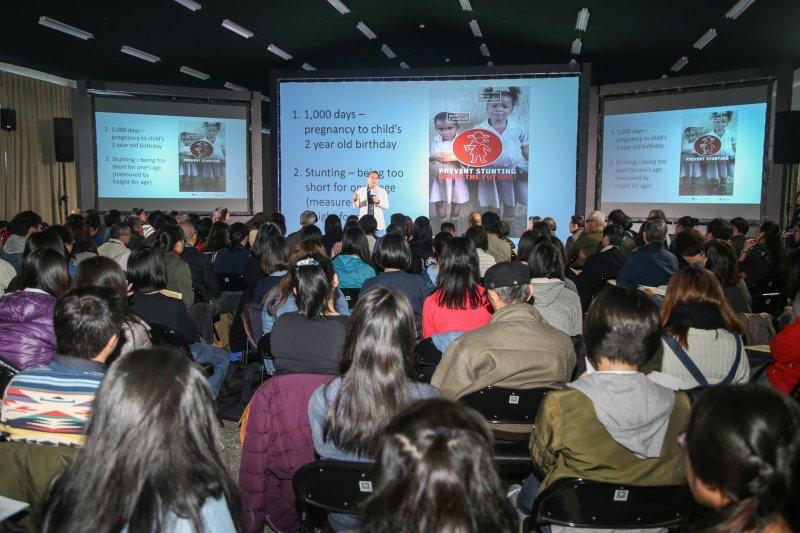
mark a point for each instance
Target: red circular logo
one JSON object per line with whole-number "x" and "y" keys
{"x": 477, "y": 147}
{"x": 202, "y": 149}
{"x": 707, "y": 145}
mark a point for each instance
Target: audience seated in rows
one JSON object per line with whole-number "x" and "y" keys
{"x": 601, "y": 267}
{"x": 152, "y": 404}
{"x": 87, "y": 322}
{"x": 651, "y": 265}
{"x": 517, "y": 349}
{"x": 349, "y": 414}
{"x": 702, "y": 343}
{"x": 613, "y": 425}
{"x": 590, "y": 238}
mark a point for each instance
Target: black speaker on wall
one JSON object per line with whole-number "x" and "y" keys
{"x": 787, "y": 137}
{"x": 8, "y": 119}
{"x": 62, "y": 133}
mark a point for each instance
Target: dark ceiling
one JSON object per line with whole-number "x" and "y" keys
{"x": 626, "y": 40}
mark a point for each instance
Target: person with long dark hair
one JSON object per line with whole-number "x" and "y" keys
{"x": 218, "y": 238}
{"x": 394, "y": 257}
{"x": 430, "y": 274}
{"x": 349, "y": 414}
{"x": 720, "y": 258}
{"x": 333, "y": 232}
{"x": 459, "y": 302}
{"x": 310, "y": 339}
{"x": 106, "y": 273}
{"x": 148, "y": 279}
{"x": 169, "y": 241}
{"x": 274, "y": 262}
{"x": 232, "y": 258}
{"x": 702, "y": 342}
{"x": 783, "y": 373}
{"x": 152, "y": 403}
{"x": 353, "y": 264}
{"x": 762, "y": 259}
{"x": 743, "y": 460}
{"x": 432, "y": 456}
{"x": 27, "y": 337}
{"x": 421, "y": 245}
{"x": 560, "y": 306}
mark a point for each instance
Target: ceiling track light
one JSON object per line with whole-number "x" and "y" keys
{"x": 679, "y": 64}
{"x": 340, "y": 7}
{"x": 233, "y": 86}
{"x": 388, "y": 51}
{"x": 196, "y": 73}
{"x": 476, "y": 30}
{"x": 705, "y": 39}
{"x": 573, "y": 62}
{"x": 65, "y": 28}
{"x": 235, "y": 28}
{"x": 190, "y": 4}
{"x": 141, "y": 55}
{"x": 363, "y": 28}
{"x": 489, "y": 64}
{"x": 465, "y": 5}
{"x": 283, "y": 54}
{"x": 485, "y": 50}
{"x": 306, "y": 66}
{"x": 738, "y": 8}
{"x": 265, "y": 98}
{"x": 403, "y": 64}
{"x": 583, "y": 19}
{"x": 577, "y": 44}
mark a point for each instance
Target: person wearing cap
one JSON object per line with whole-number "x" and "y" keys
{"x": 517, "y": 349}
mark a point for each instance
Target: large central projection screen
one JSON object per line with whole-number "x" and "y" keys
{"x": 331, "y": 132}
{"x": 698, "y": 153}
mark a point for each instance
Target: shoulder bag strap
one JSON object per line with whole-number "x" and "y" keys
{"x": 686, "y": 361}
{"x": 732, "y": 373}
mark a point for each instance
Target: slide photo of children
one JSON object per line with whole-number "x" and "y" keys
{"x": 493, "y": 175}
{"x": 201, "y": 152}
{"x": 446, "y": 188}
{"x": 708, "y": 154}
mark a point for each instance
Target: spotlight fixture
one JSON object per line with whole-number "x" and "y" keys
{"x": 141, "y": 55}
{"x": 403, "y": 64}
{"x": 196, "y": 73}
{"x": 465, "y": 5}
{"x": 283, "y": 54}
{"x": 679, "y": 64}
{"x": 583, "y": 19}
{"x": 233, "y": 86}
{"x": 235, "y": 28}
{"x": 363, "y": 28}
{"x": 190, "y": 4}
{"x": 576, "y": 46}
{"x": 476, "y": 30}
{"x": 306, "y": 66}
{"x": 388, "y": 51}
{"x": 738, "y": 8}
{"x": 65, "y": 28}
{"x": 265, "y": 98}
{"x": 489, "y": 64}
{"x": 485, "y": 50}
{"x": 705, "y": 39}
{"x": 573, "y": 62}
{"x": 340, "y": 7}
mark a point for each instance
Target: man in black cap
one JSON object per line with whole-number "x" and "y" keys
{"x": 517, "y": 349}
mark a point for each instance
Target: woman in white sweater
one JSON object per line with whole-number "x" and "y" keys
{"x": 702, "y": 342}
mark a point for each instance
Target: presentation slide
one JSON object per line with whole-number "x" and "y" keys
{"x": 442, "y": 148}
{"x": 163, "y": 155}
{"x": 697, "y": 159}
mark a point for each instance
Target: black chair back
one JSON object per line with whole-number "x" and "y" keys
{"x": 770, "y": 302}
{"x": 334, "y": 486}
{"x": 506, "y": 406}
{"x": 231, "y": 282}
{"x": 590, "y": 504}
{"x": 161, "y": 335}
{"x": 7, "y": 371}
{"x": 351, "y": 295}
{"x": 428, "y": 358}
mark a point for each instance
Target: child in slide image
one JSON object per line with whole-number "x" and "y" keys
{"x": 445, "y": 188}
{"x": 690, "y": 170}
{"x": 513, "y": 188}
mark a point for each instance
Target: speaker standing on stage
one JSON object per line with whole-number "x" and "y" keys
{"x": 372, "y": 200}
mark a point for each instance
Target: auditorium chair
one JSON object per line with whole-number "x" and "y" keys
{"x": 351, "y": 295}
{"x": 428, "y": 357}
{"x": 7, "y": 371}
{"x": 164, "y": 336}
{"x": 332, "y": 486}
{"x": 231, "y": 282}
{"x": 507, "y": 406}
{"x": 580, "y": 503}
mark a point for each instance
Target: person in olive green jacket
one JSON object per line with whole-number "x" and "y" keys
{"x": 613, "y": 424}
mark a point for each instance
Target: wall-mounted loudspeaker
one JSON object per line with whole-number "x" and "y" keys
{"x": 62, "y": 133}
{"x": 8, "y": 119}
{"x": 787, "y": 137}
